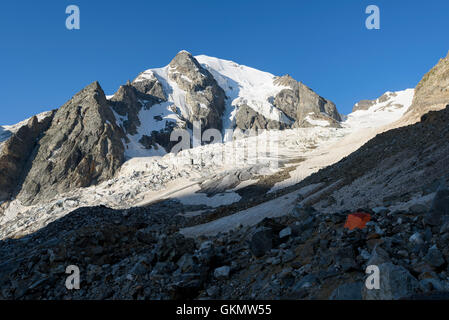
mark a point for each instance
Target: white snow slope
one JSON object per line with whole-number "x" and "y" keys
{"x": 244, "y": 85}
{"x": 382, "y": 113}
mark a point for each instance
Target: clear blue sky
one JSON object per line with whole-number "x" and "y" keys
{"x": 323, "y": 43}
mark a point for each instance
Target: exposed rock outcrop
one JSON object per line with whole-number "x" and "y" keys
{"x": 204, "y": 96}
{"x": 310, "y": 102}
{"x": 363, "y": 105}
{"x": 16, "y": 152}
{"x": 132, "y": 97}
{"x": 366, "y": 104}
{"x": 126, "y": 104}
{"x": 439, "y": 212}
{"x": 150, "y": 89}
{"x": 247, "y": 118}
{"x": 300, "y": 103}
{"x": 83, "y": 146}
{"x": 288, "y": 100}
{"x": 431, "y": 93}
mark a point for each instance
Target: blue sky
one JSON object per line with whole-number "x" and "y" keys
{"x": 323, "y": 43}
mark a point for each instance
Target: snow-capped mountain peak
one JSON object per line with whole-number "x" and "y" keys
{"x": 219, "y": 93}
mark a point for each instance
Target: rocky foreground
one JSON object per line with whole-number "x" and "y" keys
{"x": 139, "y": 254}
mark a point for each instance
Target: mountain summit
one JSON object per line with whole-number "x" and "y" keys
{"x": 218, "y": 93}
{"x": 81, "y": 147}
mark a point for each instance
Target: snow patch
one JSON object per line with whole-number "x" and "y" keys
{"x": 189, "y": 196}
{"x": 316, "y": 122}
{"x": 274, "y": 208}
{"x": 382, "y": 113}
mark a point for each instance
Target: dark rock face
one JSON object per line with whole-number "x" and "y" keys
{"x": 261, "y": 242}
{"x": 296, "y": 103}
{"x": 432, "y": 92}
{"x": 205, "y": 100}
{"x": 150, "y": 88}
{"x": 246, "y": 118}
{"x": 204, "y": 96}
{"x": 288, "y": 100}
{"x": 16, "y": 152}
{"x": 440, "y": 207}
{"x": 161, "y": 138}
{"x": 83, "y": 146}
{"x": 310, "y": 102}
{"x": 300, "y": 101}
{"x": 131, "y": 98}
{"x": 125, "y": 103}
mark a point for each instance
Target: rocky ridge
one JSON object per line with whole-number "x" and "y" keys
{"x": 303, "y": 105}
{"x": 204, "y": 96}
{"x": 15, "y": 154}
{"x": 83, "y": 146}
{"x": 431, "y": 93}
{"x": 367, "y": 104}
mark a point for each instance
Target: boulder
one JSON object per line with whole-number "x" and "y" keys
{"x": 440, "y": 207}
{"x": 431, "y": 92}
{"x": 416, "y": 239}
{"x": 286, "y": 232}
{"x": 261, "y": 242}
{"x": 222, "y": 273}
{"x": 434, "y": 257}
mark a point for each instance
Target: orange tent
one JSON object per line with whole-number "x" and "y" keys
{"x": 357, "y": 220}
